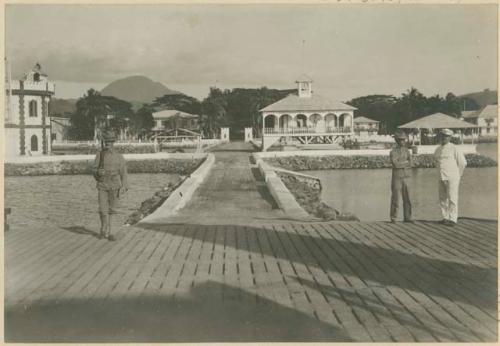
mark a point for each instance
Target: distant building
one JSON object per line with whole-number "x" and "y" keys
{"x": 365, "y": 126}
{"x": 306, "y": 117}
{"x": 59, "y": 127}
{"x": 486, "y": 120}
{"x": 27, "y": 124}
{"x": 428, "y": 127}
{"x": 170, "y": 121}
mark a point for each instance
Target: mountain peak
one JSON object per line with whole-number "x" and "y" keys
{"x": 137, "y": 89}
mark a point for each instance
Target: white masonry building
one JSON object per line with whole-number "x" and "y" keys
{"x": 27, "y": 122}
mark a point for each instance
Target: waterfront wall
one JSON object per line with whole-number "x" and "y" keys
{"x": 298, "y": 194}
{"x": 85, "y": 148}
{"x": 422, "y": 149}
{"x": 313, "y": 183}
{"x": 304, "y": 163}
{"x": 91, "y": 147}
{"x": 170, "y": 202}
{"x": 151, "y": 204}
{"x": 282, "y": 196}
{"x": 183, "y": 164}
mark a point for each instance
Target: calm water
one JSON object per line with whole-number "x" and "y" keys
{"x": 367, "y": 193}
{"x": 44, "y": 202}
{"x": 489, "y": 150}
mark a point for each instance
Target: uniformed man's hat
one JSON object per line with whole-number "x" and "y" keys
{"x": 447, "y": 132}
{"x": 399, "y": 134}
{"x": 109, "y": 136}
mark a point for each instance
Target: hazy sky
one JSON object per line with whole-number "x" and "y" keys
{"x": 348, "y": 50}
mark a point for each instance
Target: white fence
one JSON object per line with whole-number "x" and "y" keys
{"x": 364, "y": 137}
{"x": 76, "y": 143}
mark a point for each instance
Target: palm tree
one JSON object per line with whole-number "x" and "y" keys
{"x": 262, "y": 100}
{"x": 213, "y": 112}
{"x": 413, "y": 104}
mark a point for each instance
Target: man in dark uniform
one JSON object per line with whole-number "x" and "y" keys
{"x": 401, "y": 161}
{"x": 110, "y": 172}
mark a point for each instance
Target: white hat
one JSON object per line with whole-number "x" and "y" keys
{"x": 447, "y": 132}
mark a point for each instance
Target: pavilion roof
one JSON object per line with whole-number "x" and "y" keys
{"x": 437, "y": 121}
{"x": 365, "y": 120}
{"x": 294, "y": 103}
{"x": 171, "y": 113}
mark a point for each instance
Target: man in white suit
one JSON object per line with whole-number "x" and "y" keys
{"x": 451, "y": 164}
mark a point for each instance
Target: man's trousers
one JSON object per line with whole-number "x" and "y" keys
{"x": 448, "y": 198}
{"x": 108, "y": 201}
{"x": 400, "y": 188}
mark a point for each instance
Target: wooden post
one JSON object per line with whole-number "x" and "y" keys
{"x": 264, "y": 130}
{"x": 6, "y": 211}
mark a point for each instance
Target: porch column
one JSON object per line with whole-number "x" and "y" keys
{"x": 263, "y": 125}
{"x": 322, "y": 126}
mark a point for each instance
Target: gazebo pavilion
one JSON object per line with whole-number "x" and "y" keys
{"x": 306, "y": 117}
{"x": 438, "y": 121}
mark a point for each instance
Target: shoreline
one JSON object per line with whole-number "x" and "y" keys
{"x": 183, "y": 164}
{"x": 327, "y": 162}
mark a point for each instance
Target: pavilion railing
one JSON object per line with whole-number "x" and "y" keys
{"x": 305, "y": 130}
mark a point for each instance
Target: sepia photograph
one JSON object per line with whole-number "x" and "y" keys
{"x": 250, "y": 172}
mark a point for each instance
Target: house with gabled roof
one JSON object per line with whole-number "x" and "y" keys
{"x": 364, "y": 125}
{"x": 486, "y": 119}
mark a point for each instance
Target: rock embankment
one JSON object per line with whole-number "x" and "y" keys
{"x": 310, "y": 163}
{"x": 92, "y": 148}
{"x": 174, "y": 166}
{"x": 308, "y": 195}
{"x": 151, "y": 204}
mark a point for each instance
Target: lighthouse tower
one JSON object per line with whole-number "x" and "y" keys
{"x": 27, "y": 123}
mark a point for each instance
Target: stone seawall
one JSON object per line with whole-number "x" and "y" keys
{"x": 177, "y": 197}
{"x": 310, "y": 181}
{"x": 92, "y": 148}
{"x": 70, "y": 167}
{"x": 297, "y": 194}
{"x": 307, "y": 192}
{"x": 304, "y": 163}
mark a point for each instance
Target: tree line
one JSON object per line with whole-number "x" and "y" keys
{"x": 236, "y": 109}
{"x": 393, "y": 111}
{"x": 239, "y": 108}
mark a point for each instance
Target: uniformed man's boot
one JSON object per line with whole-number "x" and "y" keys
{"x": 104, "y": 226}
{"x": 109, "y": 236}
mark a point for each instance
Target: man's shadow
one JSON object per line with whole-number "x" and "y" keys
{"x": 81, "y": 230}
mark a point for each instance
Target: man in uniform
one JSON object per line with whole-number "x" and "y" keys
{"x": 401, "y": 161}
{"x": 451, "y": 163}
{"x": 110, "y": 172}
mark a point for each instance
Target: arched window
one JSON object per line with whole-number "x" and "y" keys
{"x": 34, "y": 143}
{"x": 301, "y": 120}
{"x": 33, "y": 109}
{"x": 36, "y": 77}
{"x": 330, "y": 121}
{"x": 285, "y": 121}
{"x": 270, "y": 121}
